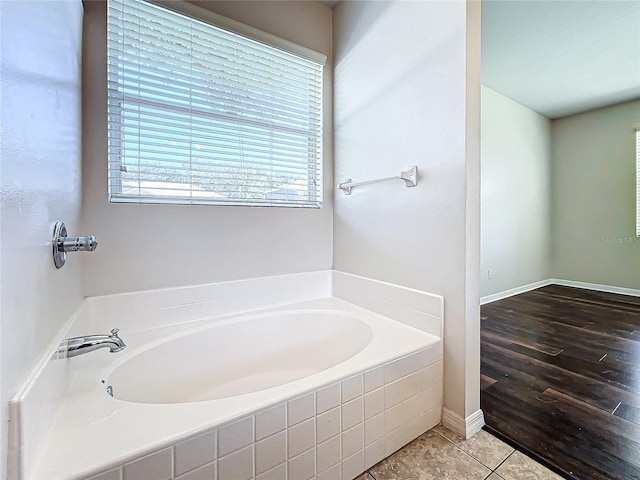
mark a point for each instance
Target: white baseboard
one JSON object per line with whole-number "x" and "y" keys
{"x": 465, "y": 427}
{"x": 515, "y": 291}
{"x": 558, "y": 281}
{"x": 598, "y": 287}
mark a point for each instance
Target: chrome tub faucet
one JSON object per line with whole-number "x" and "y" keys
{"x": 72, "y": 347}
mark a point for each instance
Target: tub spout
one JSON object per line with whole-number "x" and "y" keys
{"x": 72, "y": 347}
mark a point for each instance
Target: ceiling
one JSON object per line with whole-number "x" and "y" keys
{"x": 562, "y": 57}
{"x": 329, "y": 3}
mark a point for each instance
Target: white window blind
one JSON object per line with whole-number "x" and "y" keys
{"x": 199, "y": 114}
{"x": 637, "y": 182}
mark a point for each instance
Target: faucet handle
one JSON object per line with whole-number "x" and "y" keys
{"x": 115, "y": 331}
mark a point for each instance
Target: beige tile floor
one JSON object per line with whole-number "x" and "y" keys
{"x": 441, "y": 454}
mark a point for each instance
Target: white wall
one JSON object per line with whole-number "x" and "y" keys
{"x": 594, "y": 197}
{"x": 40, "y": 181}
{"x": 401, "y": 99}
{"x": 153, "y": 246}
{"x": 516, "y": 195}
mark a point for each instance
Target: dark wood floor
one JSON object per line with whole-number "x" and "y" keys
{"x": 561, "y": 378}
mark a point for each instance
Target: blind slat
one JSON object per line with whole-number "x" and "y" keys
{"x": 202, "y": 115}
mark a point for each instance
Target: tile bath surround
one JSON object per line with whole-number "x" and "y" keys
{"x": 337, "y": 432}
{"x": 150, "y": 313}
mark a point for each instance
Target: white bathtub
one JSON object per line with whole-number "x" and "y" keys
{"x": 321, "y": 390}
{"x": 238, "y": 357}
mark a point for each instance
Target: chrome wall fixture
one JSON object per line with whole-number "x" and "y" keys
{"x": 63, "y": 244}
{"x": 72, "y": 347}
{"x": 409, "y": 176}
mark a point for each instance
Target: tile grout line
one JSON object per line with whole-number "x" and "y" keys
{"x": 492, "y": 470}
{"x": 463, "y": 451}
{"x": 495, "y": 470}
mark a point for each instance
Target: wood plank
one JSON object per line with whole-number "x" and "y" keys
{"x": 486, "y": 382}
{"x": 561, "y": 378}
{"x": 498, "y": 362}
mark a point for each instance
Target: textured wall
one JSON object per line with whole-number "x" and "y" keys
{"x": 594, "y": 197}
{"x": 153, "y": 246}
{"x": 516, "y": 195}
{"x": 40, "y": 183}
{"x": 401, "y": 72}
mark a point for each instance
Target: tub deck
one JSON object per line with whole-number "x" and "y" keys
{"x": 399, "y": 371}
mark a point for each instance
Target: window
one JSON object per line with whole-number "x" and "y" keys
{"x": 201, "y": 114}
{"x": 637, "y": 182}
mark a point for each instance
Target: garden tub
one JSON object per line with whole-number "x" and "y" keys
{"x": 321, "y": 389}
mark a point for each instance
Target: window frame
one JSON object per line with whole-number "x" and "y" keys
{"x": 316, "y": 162}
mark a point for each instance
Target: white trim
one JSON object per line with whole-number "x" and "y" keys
{"x": 598, "y": 287}
{"x": 515, "y": 291}
{"x": 558, "y": 281}
{"x": 465, "y": 427}
{"x": 453, "y": 422}
{"x": 474, "y": 423}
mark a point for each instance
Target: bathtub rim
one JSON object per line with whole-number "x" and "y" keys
{"x": 97, "y": 392}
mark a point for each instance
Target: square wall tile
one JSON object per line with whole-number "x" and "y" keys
{"x": 414, "y": 428}
{"x": 392, "y": 441}
{"x": 270, "y": 452}
{"x": 352, "y": 440}
{"x": 352, "y": 388}
{"x": 303, "y": 467}
{"x": 433, "y": 395}
{"x": 328, "y": 454}
{"x": 195, "y": 452}
{"x": 235, "y": 436}
{"x": 301, "y": 437}
{"x": 374, "y": 429}
{"x": 327, "y": 398}
{"x": 236, "y": 466}
{"x": 206, "y": 472}
{"x": 353, "y": 466}
{"x": 270, "y": 421}
{"x": 115, "y": 474}
{"x": 276, "y": 473}
{"x": 404, "y": 388}
{"x": 352, "y": 413}
{"x": 373, "y": 379}
{"x": 434, "y": 373}
{"x": 158, "y": 465}
{"x": 418, "y": 405}
{"x": 300, "y": 409}
{"x": 394, "y": 417}
{"x": 327, "y": 425}
{"x": 373, "y": 453}
{"x": 334, "y": 473}
{"x": 373, "y": 403}
{"x": 404, "y": 366}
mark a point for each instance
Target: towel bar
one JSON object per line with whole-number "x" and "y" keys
{"x": 409, "y": 176}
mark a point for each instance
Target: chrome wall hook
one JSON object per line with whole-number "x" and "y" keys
{"x": 63, "y": 244}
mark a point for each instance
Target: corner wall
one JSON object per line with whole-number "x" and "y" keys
{"x": 40, "y": 129}
{"x": 593, "y": 201}
{"x": 516, "y": 195}
{"x": 154, "y": 246}
{"x": 401, "y": 97}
